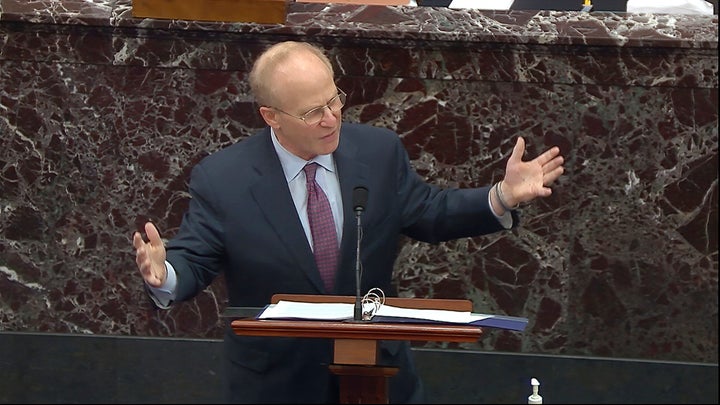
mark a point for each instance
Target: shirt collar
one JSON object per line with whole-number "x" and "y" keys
{"x": 293, "y": 165}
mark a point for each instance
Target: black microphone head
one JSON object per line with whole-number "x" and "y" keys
{"x": 360, "y": 196}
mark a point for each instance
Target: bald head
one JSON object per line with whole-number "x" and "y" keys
{"x": 286, "y": 64}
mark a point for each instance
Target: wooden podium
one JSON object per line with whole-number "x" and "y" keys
{"x": 356, "y": 344}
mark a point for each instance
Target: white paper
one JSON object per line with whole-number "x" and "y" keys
{"x": 438, "y": 315}
{"x": 670, "y": 6}
{"x": 482, "y": 4}
{"x": 335, "y": 311}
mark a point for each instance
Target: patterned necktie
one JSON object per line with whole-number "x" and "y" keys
{"x": 322, "y": 228}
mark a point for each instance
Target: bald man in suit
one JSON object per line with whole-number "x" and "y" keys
{"x": 247, "y": 219}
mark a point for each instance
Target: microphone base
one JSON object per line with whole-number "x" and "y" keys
{"x": 357, "y": 320}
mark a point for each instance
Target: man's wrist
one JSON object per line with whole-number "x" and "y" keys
{"x": 501, "y": 198}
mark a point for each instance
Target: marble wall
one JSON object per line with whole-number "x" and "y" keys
{"x": 102, "y": 116}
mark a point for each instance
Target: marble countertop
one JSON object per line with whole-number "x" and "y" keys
{"x": 444, "y": 25}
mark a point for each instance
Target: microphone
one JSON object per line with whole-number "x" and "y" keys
{"x": 359, "y": 197}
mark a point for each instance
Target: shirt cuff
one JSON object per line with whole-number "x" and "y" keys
{"x": 164, "y": 295}
{"x": 506, "y": 219}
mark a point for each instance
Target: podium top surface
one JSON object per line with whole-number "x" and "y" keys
{"x": 361, "y": 330}
{"x": 357, "y": 330}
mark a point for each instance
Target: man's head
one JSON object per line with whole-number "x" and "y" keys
{"x": 294, "y": 84}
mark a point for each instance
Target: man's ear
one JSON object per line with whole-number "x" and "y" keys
{"x": 270, "y": 116}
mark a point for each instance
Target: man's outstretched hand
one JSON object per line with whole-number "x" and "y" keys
{"x": 150, "y": 256}
{"x": 526, "y": 180}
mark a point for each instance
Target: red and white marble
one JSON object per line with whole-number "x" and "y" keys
{"x": 102, "y": 116}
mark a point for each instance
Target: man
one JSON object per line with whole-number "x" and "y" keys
{"x": 248, "y": 217}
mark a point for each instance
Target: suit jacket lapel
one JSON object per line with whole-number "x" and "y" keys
{"x": 273, "y": 197}
{"x": 352, "y": 173}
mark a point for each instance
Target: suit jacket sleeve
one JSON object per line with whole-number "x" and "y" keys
{"x": 435, "y": 214}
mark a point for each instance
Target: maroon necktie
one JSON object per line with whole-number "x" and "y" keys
{"x": 322, "y": 227}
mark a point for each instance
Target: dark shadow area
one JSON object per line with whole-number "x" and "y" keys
{"x": 65, "y": 368}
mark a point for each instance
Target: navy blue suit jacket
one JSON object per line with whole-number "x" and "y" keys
{"x": 242, "y": 222}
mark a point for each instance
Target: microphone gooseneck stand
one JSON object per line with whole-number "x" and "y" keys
{"x": 360, "y": 196}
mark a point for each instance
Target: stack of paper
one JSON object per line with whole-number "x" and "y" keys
{"x": 336, "y": 311}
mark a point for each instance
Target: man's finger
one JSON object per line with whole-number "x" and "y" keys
{"x": 553, "y": 164}
{"x": 138, "y": 240}
{"x": 550, "y": 177}
{"x": 548, "y": 155}
{"x": 518, "y": 150}
{"x": 153, "y": 235}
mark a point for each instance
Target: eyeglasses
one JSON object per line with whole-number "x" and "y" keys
{"x": 314, "y": 116}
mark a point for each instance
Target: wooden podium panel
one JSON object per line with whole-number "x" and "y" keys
{"x": 363, "y": 385}
{"x": 253, "y": 11}
{"x": 356, "y": 343}
{"x": 356, "y": 331}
